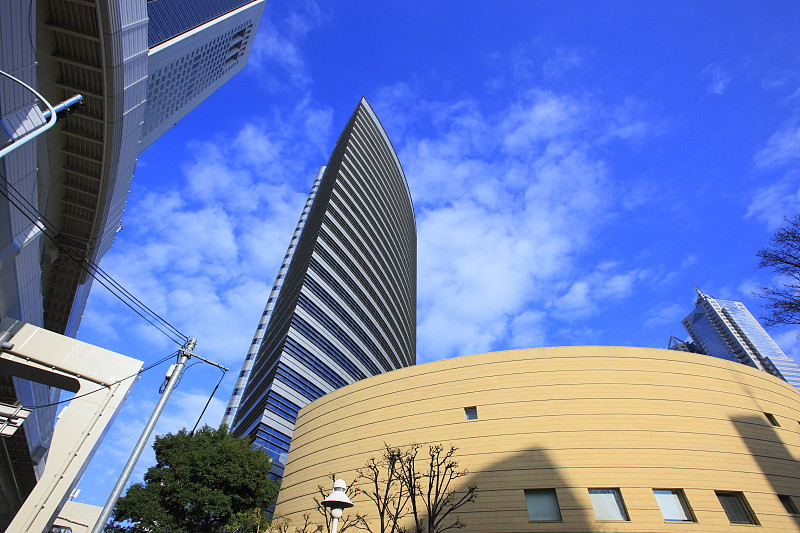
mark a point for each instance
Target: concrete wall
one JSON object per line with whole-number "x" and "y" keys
{"x": 571, "y": 419}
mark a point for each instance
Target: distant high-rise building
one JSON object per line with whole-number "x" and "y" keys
{"x": 726, "y": 329}
{"x": 344, "y": 304}
{"x": 141, "y": 66}
{"x": 195, "y": 47}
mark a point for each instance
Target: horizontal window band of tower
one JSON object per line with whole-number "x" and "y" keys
{"x": 373, "y": 307}
{"x": 346, "y": 249}
{"x": 345, "y": 229}
{"x": 342, "y": 336}
{"x": 392, "y": 240}
{"x": 328, "y": 348}
{"x": 372, "y": 252}
{"x": 372, "y": 298}
{"x": 298, "y": 382}
{"x": 315, "y": 374}
{"x": 282, "y": 407}
{"x": 340, "y": 312}
{"x": 355, "y": 165}
{"x": 274, "y": 442}
{"x": 354, "y": 308}
{"x": 295, "y": 349}
{"x": 284, "y": 378}
{"x": 346, "y": 305}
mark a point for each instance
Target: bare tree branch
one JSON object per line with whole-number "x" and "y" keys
{"x": 383, "y": 479}
{"x": 401, "y": 485}
{"x": 782, "y": 255}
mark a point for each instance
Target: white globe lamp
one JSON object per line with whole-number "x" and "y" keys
{"x": 337, "y": 501}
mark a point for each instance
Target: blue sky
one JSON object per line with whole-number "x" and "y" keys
{"x": 575, "y": 167}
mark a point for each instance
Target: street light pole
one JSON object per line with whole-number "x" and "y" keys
{"x": 186, "y": 353}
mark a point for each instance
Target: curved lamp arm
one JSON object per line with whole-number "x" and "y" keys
{"x": 50, "y": 122}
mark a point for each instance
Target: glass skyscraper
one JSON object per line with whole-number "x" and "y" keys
{"x": 343, "y": 306}
{"x": 726, "y": 329}
{"x": 195, "y": 47}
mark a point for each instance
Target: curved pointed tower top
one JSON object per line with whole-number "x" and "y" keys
{"x": 344, "y": 304}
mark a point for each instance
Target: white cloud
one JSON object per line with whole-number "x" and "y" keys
{"x": 102, "y": 323}
{"x": 276, "y": 57}
{"x": 779, "y": 155}
{"x": 540, "y": 116}
{"x": 771, "y": 203}
{"x": 749, "y": 286}
{"x": 668, "y": 315}
{"x": 498, "y": 235}
{"x": 718, "y": 78}
{"x": 562, "y": 61}
{"x": 528, "y": 330}
{"x": 577, "y": 301}
{"x": 205, "y": 249}
{"x": 789, "y": 341}
{"x": 782, "y": 147}
{"x": 779, "y": 80}
{"x": 625, "y": 122}
{"x": 587, "y": 295}
{"x": 633, "y": 131}
{"x": 619, "y": 286}
{"x": 187, "y": 407}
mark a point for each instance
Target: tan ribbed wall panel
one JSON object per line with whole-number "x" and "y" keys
{"x": 571, "y": 419}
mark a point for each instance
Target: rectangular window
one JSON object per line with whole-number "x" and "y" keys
{"x": 542, "y": 505}
{"x": 608, "y": 504}
{"x": 735, "y": 506}
{"x": 788, "y": 504}
{"x": 471, "y": 413}
{"x": 772, "y": 419}
{"x": 672, "y": 503}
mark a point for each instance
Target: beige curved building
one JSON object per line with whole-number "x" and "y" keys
{"x": 574, "y": 439}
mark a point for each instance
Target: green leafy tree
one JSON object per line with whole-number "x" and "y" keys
{"x": 253, "y": 521}
{"x": 201, "y": 482}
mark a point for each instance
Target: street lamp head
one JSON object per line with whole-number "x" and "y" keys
{"x": 338, "y": 500}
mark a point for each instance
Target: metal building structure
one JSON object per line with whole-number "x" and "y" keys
{"x": 126, "y": 58}
{"x": 101, "y": 381}
{"x": 344, "y": 303}
{"x": 726, "y": 329}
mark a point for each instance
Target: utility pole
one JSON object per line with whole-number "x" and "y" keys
{"x": 186, "y": 353}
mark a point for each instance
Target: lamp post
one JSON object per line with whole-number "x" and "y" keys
{"x": 337, "y": 501}
{"x": 21, "y": 134}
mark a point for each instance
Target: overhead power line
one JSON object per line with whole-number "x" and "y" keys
{"x": 30, "y": 212}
